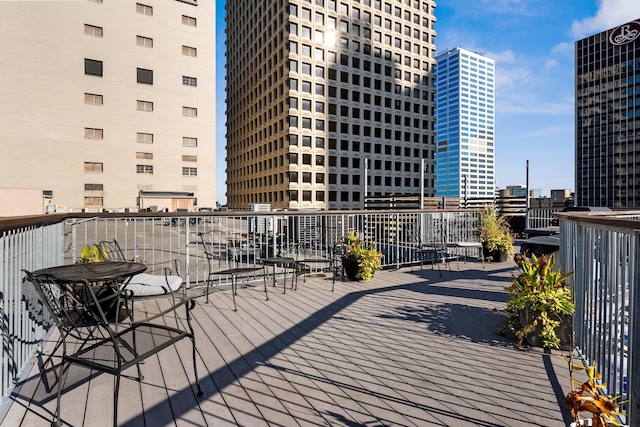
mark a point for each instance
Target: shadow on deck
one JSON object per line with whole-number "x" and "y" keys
{"x": 409, "y": 348}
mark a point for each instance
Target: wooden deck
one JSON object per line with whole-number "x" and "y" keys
{"x": 409, "y": 348}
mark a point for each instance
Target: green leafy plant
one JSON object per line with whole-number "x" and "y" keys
{"x": 543, "y": 291}
{"x": 496, "y": 232}
{"x": 587, "y": 398}
{"x": 366, "y": 254}
{"x": 95, "y": 253}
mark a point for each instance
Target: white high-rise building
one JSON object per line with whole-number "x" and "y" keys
{"x": 328, "y": 101}
{"x": 465, "y": 98}
{"x": 107, "y": 104}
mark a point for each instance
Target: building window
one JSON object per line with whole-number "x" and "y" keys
{"x": 189, "y": 81}
{"x": 93, "y": 187}
{"x": 144, "y": 106}
{"x": 144, "y": 41}
{"x": 144, "y": 9}
{"x": 148, "y": 169}
{"x": 189, "y": 158}
{"x": 188, "y": 20}
{"x": 92, "y": 30}
{"x": 145, "y": 156}
{"x": 189, "y": 51}
{"x": 144, "y": 138}
{"x": 92, "y": 133}
{"x": 189, "y": 112}
{"x": 145, "y": 76}
{"x": 189, "y": 171}
{"x": 93, "y": 201}
{"x": 93, "y": 167}
{"x": 189, "y": 142}
{"x": 92, "y": 67}
{"x": 93, "y": 99}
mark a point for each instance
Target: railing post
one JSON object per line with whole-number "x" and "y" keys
{"x": 633, "y": 382}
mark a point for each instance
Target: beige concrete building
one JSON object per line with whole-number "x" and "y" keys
{"x": 329, "y": 101}
{"x": 104, "y": 99}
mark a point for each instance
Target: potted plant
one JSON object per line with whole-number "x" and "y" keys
{"x": 540, "y": 306}
{"x": 360, "y": 259}
{"x": 496, "y": 237}
{"x": 588, "y": 399}
{"x": 95, "y": 253}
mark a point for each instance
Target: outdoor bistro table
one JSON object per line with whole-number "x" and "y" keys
{"x": 111, "y": 278}
{"x": 326, "y": 261}
{"x": 284, "y": 262}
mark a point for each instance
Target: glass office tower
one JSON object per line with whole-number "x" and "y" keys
{"x": 328, "y": 101}
{"x": 608, "y": 118}
{"x": 465, "y": 97}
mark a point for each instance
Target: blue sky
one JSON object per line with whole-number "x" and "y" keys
{"x": 532, "y": 42}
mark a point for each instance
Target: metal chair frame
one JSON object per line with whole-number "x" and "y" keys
{"x": 98, "y": 344}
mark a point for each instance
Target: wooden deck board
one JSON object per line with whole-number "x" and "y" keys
{"x": 409, "y": 348}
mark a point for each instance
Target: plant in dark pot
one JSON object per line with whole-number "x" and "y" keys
{"x": 540, "y": 306}
{"x": 496, "y": 237}
{"x": 360, "y": 259}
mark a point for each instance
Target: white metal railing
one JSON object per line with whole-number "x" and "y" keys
{"x": 23, "y": 327}
{"x": 159, "y": 238}
{"x": 541, "y": 217}
{"x": 604, "y": 254}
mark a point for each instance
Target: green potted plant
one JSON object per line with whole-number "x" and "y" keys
{"x": 540, "y": 306}
{"x": 496, "y": 237}
{"x": 360, "y": 259}
{"x": 95, "y": 253}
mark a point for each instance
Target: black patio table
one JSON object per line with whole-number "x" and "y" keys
{"x": 111, "y": 277}
{"x": 285, "y": 263}
{"x": 93, "y": 272}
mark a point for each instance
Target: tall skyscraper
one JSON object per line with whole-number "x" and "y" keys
{"x": 608, "y": 118}
{"x": 465, "y": 84}
{"x": 328, "y": 100}
{"x": 104, "y": 100}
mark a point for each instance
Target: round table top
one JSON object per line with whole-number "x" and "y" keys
{"x": 92, "y": 271}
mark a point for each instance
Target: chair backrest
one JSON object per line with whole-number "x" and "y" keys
{"x": 75, "y": 308}
{"x": 113, "y": 250}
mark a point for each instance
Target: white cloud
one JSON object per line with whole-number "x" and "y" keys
{"x": 610, "y": 14}
{"x": 551, "y": 130}
{"x": 551, "y": 63}
{"x": 563, "y": 49}
{"x": 504, "y": 56}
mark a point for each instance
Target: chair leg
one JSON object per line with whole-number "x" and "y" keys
{"x": 115, "y": 399}
{"x": 193, "y": 350}
{"x": 57, "y": 422}
{"x": 264, "y": 281}
{"x": 234, "y": 285}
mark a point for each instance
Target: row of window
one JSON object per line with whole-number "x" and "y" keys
{"x": 145, "y": 9}
{"x": 141, "y": 169}
{"x": 141, "y": 137}
{"x": 94, "y": 67}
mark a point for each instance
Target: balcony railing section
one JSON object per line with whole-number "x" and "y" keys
{"x": 159, "y": 238}
{"x": 30, "y": 245}
{"x": 603, "y": 252}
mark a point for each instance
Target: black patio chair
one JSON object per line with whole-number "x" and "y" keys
{"x": 144, "y": 284}
{"x": 89, "y": 339}
{"x": 236, "y": 263}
